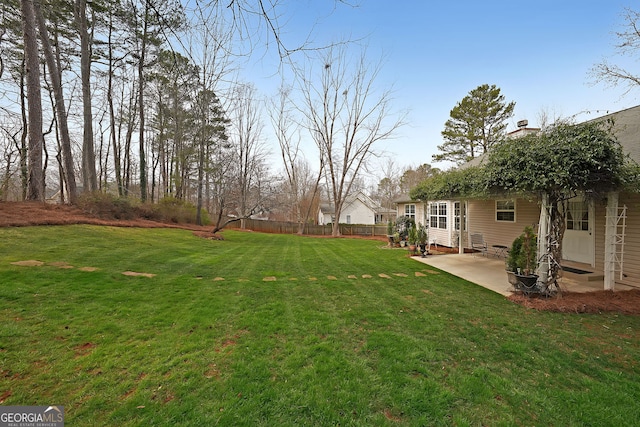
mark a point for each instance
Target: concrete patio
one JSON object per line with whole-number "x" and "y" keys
{"x": 489, "y": 272}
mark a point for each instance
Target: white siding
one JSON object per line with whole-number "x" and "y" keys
{"x": 631, "y": 268}
{"x": 359, "y": 212}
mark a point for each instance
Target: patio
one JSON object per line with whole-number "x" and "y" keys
{"x": 489, "y": 272}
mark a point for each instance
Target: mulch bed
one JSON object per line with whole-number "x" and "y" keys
{"x": 624, "y": 302}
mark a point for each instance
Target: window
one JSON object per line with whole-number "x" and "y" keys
{"x": 348, "y": 219}
{"x": 410, "y": 211}
{"x": 506, "y": 210}
{"x": 578, "y": 216}
{"x": 438, "y": 215}
{"x": 456, "y": 216}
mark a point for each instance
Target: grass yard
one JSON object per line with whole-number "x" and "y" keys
{"x": 291, "y": 331}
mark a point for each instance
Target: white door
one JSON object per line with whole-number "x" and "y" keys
{"x": 578, "y": 244}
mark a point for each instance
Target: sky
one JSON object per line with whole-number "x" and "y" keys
{"x": 434, "y": 52}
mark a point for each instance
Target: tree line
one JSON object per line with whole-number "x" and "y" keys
{"x": 141, "y": 99}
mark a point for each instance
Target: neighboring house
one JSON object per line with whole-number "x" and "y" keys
{"x": 442, "y": 218}
{"x": 357, "y": 209}
{"x": 600, "y": 237}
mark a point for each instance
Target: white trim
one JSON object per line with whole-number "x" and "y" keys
{"x": 496, "y": 210}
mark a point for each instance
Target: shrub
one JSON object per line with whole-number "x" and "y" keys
{"x": 523, "y": 253}
{"x": 106, "y": 206}
{"x": 403, "y": 225}
{"x": 170, "y": 209}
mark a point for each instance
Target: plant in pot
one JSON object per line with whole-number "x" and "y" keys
{"x": 412, "y": 238}
{"x": 522, "y": 261}
{"x": 403, "y": 224}
{"x": 390, "y": 233}
{"x": 423, "y": 236}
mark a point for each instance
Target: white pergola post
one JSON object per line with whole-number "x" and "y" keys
{"x": 610, "y": 245}
{"x": 543, "y": 240}
{"x": 463, "y": 222}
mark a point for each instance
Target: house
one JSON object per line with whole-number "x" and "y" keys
{"x": 442, "y": 218}
{"x": 602, "y": 237}
{"x": 357, "y": 209}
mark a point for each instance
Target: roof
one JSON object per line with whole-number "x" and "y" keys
{"x": 403, "y": 198}
{"x": 626, "y": 129}
{"x": 329, "y": 208}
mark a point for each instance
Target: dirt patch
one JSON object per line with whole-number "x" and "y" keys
{"x": 61, "y": 264}
{"x": 135, "y": 274}
{"x": 4, "y": 396}
{"x": 84, "y": 349}
{"x": 28, "y": 263}
{"x": 207, "y": 235}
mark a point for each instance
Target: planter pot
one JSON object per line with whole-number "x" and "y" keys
{"x": 423, "y": 249}
{"x": 527, "y": 283}
{"x": 412, "y": 248}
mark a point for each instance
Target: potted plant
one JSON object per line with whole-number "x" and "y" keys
{"x": 390, "y": 233}
{"x": 412, "y": 238}
{"x": 423, "y": 236}
{"x": 403, "y": 224}
{"x": 522, "y": 261}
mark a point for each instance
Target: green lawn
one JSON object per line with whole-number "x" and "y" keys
{"x": 272, "y": 330}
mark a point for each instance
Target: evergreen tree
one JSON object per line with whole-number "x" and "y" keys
{"x": 476, "y": 123}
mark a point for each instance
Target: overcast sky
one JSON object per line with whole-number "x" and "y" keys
{"x": 538, "y": 53}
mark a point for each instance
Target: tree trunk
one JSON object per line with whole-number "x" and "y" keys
{"x": 112, "y": 116}
{"x": 35, "y": 184}
{"x": 554, "y": 221}
{"x": 61, "y": 112}
{"x": 143, "y": 161}
{"x": 24, "y": 152}
{"x": 89, "y": 177}
{"x": 200, "y": 181}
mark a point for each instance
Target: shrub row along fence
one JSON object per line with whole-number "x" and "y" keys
{"x": 281, "y": 227}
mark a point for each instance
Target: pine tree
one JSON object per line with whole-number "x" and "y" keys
{"x": 476, "y": 123}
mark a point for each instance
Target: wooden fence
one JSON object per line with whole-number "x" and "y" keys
{"x": 281, "y": 227}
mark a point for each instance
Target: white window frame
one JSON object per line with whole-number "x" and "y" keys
{"x": 410, "y": 211}
{"x": 505, "y": 208}
{"x": 457, "y": 215}
{"x": 438, "y": 215}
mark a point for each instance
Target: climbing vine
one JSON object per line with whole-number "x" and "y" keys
{"x": 553, "y": 165}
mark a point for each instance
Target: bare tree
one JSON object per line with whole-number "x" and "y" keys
{"x": 301, "y": 185}
{"x": 346, "y": 117}
{"x": 388, "y": 188}
{"x": 250, "y": 150}
{"x": 210, "y": 49}
{"x": 628, "y": 45}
